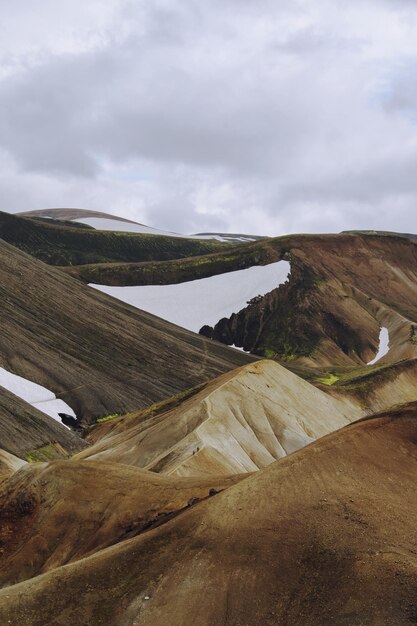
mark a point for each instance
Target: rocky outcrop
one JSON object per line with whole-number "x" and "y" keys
{"x": 341, "y": 290}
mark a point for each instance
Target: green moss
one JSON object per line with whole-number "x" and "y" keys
{"x": 66, "y": 245}
{"x": 100, "y": 420}
{"x": 50, "y": 452}
{"x": 289, "y": 357}
{"x": 330, "y": 379}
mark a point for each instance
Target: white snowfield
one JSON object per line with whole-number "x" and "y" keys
{"x": 224, "y": 238}
{"x": 383, "y": 345}
{"x": 204, "y": 301}
{"x": 36, "y": 395}
{"x": 103, "y": 223}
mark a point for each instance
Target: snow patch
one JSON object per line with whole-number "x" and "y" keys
{"x": 206, "y": 300}
{"x": 103, "y": 223}
{"x": 36, "y": 395}
{"x": 239, "y": 348}
{"x": 224, "y": 237}
{"x": 383, "y": 345}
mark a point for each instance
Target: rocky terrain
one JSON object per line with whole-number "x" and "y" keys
{"x": 342, "y": 290}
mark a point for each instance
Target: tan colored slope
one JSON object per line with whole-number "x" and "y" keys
{"x": 56, "y": 513}
{"x": 381, "y": 389}
{"x": 240, "y": 422}
{"x": 9, "y": 464}
{"x": 324, "y": 537}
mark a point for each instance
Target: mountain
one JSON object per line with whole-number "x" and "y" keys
{"x": 324, "y": 536}
{"x": 383, "y": 233}
{"x": 342, "y": 290}
{"x": 197, "y": 483}
{"x": 97, "y": 354}
{"x": 105, "y": 221}
{"x": 240, "y": 422}
{"x": 64, "y": 243}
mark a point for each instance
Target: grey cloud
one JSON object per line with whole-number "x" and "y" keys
{"x": 226, "y": 115}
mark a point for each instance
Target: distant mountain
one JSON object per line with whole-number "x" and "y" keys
{"x": 382, "y": 233}
{"x": 63, "y": 243}
{"x": 106, "y": 221}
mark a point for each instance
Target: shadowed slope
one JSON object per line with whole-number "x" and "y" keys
{"x": 309, "y": 540}
{"x": 97, "y": 354}
{"x": 239, "y": 422}
{"x": 25, "y": 429}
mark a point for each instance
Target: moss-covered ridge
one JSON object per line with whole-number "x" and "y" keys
{"x": 59, "y": 243}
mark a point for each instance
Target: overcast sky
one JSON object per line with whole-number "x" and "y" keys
{"x": 231, "y": 115}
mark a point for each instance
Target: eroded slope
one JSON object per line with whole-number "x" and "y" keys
{"x": 97, "y": 354}
{"x": 240, "y": 422}
{"x": 309, "y": 540}
{"x": 56, "y": 513}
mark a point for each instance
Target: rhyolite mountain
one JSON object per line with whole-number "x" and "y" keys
{"x": 206, "y": 485}
{"x": 97, "y": 354}
{"x": 341, "y": 290}
{"x": 325, "y": 536}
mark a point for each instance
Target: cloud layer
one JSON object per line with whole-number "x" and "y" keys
{"x": 249, "y": 116}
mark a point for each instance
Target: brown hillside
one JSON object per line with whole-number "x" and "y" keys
{"x": 309, "y": 540}
{"x": 56, "y": 513}
{"x": 342, "y": 289}
{"x": 9, "y": 464}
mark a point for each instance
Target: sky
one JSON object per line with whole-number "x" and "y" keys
{"x": 249, "y": 116}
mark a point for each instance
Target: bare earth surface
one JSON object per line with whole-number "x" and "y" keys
{"x": 309, "y": 540}
{"x": 240, "y": 422}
